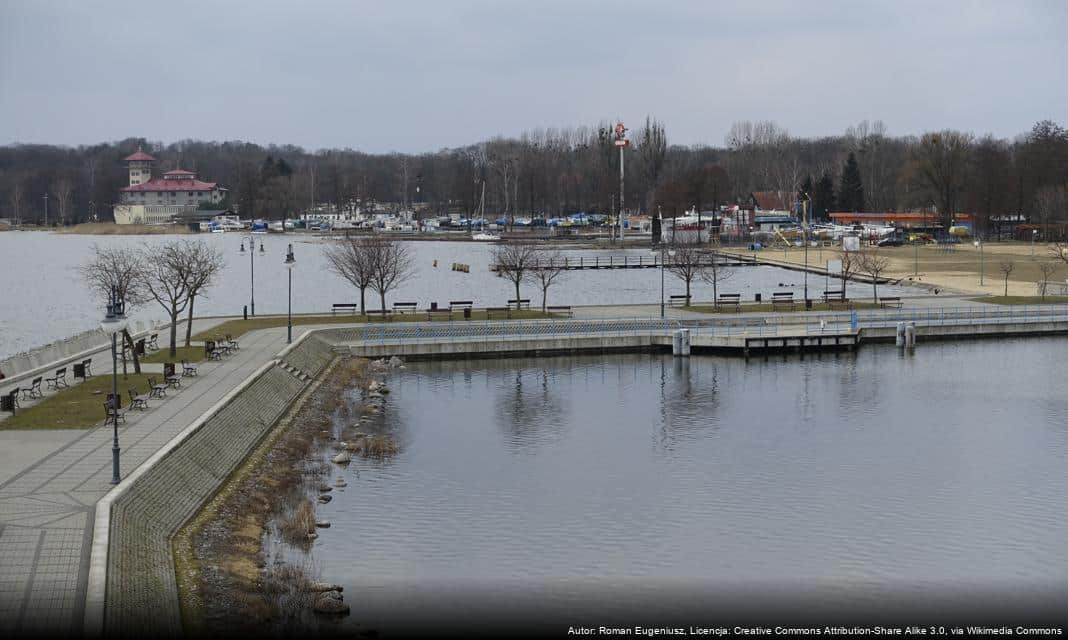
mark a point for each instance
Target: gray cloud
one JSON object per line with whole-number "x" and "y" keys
{"x": 416, "y": 76}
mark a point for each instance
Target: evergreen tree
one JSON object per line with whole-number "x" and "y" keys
{"x": 851, "y": 190}
{"x": 824, "y": 196}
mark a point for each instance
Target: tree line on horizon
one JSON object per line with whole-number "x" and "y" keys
{"x": 560, "y": 171}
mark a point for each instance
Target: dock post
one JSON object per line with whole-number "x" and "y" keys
{"x": 910, "y": 335}
{"x": 680, "y": 343}
{"x": 899, "y": 338}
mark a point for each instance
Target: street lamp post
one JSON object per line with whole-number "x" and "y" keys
{"x": 979, "y": 246}
{"x": 252, "y": 268}
{"x": 114, "y": 322}
{"x": 1034, "y": 232}
{"x": 290, "y": 263}
{"x": 804, "y": 238}
{"x": 669, "y": 252}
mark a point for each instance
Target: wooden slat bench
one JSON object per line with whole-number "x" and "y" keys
{"x": 887, "y": 302}
{"x": 838, "y": 294}
{"x": 460, "y": 305}
{"x": 729, "y": 300}
{"x": 522, "y": 303}
{"x": 782, "y": 300}
{"x": 563, "y": 310}
{"x": 343, "y": 306}
{"x": 405, "y": 307}
{"x": 679, "y": 300}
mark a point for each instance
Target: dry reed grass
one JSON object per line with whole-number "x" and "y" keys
{"x": 112, "y": 229}
{"x": 298, "y": 522}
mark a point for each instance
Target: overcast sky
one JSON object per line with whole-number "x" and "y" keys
{"x": 419, "y": 76}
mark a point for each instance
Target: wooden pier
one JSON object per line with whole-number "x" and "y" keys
{"x": 627, "y": 262}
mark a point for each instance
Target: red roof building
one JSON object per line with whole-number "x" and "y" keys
{"x": 158, "y": 200}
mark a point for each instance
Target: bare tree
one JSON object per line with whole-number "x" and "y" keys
{"x": 164, "y": 275}
{"x": 514, "y": 261}
{"x": 548, "y": 268}
{"x": 63, "y": 188}
{"x": 1006, "y": 267}
{"x": 1052, "y": 202}
{"x": 874, "y": 264}
{"x": 1047, "y": 269}
{"x": 716, "y": 272}
{"x": 689, "y": 263}
{"x": 116, "y": 270}
{"x": 18, "y": 196}
{"x": 851, "y": 265}
{"x": 205, "y": 263}
{"x": 943, "y": 160}
{"x": 351, "y": 259}
{"x": 391, "y": 265}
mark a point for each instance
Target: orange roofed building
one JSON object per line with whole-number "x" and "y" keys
{"x": 908, "y": 220}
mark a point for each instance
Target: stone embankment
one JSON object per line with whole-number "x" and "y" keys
{"x": 141, "y": 591}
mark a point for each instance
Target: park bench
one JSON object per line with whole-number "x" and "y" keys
{"x": 34, "y": 390}
{"x": 112, "y": 413}
{"x": 188, "y": 369}
{"x": 81, "y": 369}
{"x": 679, "y": 300}
{"x": 834, "y": 294}
{"x": 507, "y": 311}
{"x": 10, "y": 400}
{"x": 139, "y": 402}
{"x": 350, "y": 306}
{"x": 158, "y": 390}
{"x": 563, "y": 310}
{"x": 890, "y": 301}
{"x": 58, "y": 380}
{"x": 169, "y": 376}
{"x": 782, "y": 300}
{"x": 405, "y": 307}
{"x": 729, "y": 300}
{"x": 153, "y": 342}
{"x": 441, "y": 314}
{"x": 460, "y": 305}
{"x": 212, "y": 351}
{"x": 522, "y": 303}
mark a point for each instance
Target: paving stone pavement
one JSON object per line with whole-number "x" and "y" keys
{"x": 47, "y": 509}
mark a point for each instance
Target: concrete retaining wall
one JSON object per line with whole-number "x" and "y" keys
{"x": 310, "y": 355}
{"x": 142, "y": 592}
{"x": 534, "y": 345}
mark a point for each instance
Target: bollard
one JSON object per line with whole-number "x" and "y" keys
{"x": 910, "y": 336}
{"x": 680, "y": 343}
{"x": 467, "y": 313}
{"x": 756, "y": 298}
{"x": 899, "y": 336}
{"x": 246, "y": 312}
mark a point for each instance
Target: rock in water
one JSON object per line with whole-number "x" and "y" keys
{"x": 395, "y": 362}
{"x": 322, "y": 524}
{"x": 326, "y": 497}
{"x": 320, "y": 587}
{"x": 340, "y": 482}
{"x": 329, "y": 602}
{"x": 325, "y": 489}
{"x": 343, "y": 458}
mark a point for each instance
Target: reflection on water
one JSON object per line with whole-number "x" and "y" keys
{"x": 942, "y": 469}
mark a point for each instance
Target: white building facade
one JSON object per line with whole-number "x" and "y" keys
{"x": 149, "y": 200}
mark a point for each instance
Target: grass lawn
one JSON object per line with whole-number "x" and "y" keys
{"x": 798, "y": 307}
{"x": 237, "y": 328}
{"x": 192, "y": 354}
{"x": 1022, "y": 299}
{"x": 79, "y": 407}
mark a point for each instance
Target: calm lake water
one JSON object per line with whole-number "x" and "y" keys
{"x": 44, "y": 298}
{"x": 572, "y": 485}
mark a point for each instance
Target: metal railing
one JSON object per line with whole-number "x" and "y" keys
{"x": 753, "y": 325}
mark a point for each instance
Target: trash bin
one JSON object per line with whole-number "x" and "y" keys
{"x": 467, "y": 313}
{"x": 79, "y": 370}
{"x": 808, "y": 304}
{"x": 433, "y": 306}
{"x": 7, "y": 402}
{"x": 756, "y": 298}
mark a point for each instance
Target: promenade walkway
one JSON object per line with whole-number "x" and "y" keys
{"x": 47, "y": 507}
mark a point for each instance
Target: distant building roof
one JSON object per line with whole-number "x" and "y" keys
{"x": 140, "y": 155}
{"x": 894, "y": 215}
{"x": 165, "y": 184}
{"x": 178, "y": 172}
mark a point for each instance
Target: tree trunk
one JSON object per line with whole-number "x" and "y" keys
{"x": 874, "y": 290}
{"x": 382, "y": 296}
{"x": 517, "y": 294}
{"x": 363, "y": 292}
{"x": 128, "y": 339}
{"x": 544, "y": 295}
{"x": 189, "y": 322}
{"x": 688, "y": 291}
{"x": 173, "y": 349}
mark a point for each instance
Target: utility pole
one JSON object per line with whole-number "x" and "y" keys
{"x": 621, "y": 142}
{"x": 46, "y": 209}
